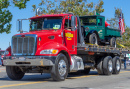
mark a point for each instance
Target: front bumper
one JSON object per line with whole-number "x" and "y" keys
{"x": 29, "y": 60}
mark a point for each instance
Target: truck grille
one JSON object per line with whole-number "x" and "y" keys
{"x": 23, "y": 45}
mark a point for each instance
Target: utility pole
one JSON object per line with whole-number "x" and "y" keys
{"x": 9, "y": 43}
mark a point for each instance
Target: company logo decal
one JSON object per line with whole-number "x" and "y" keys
{"x": 69, "y": 36}
{"x": 100, "y": 32}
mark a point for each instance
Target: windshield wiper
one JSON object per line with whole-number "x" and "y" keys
{"x": 47, "y": 28}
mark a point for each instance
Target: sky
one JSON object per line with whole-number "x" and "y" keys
{"x": 109, "y": 6}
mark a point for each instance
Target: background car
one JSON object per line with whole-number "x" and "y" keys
{"x": 2, "y": 52}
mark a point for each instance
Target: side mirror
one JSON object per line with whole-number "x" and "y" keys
{"x": 19, "y": 25}
{"x": 73, "y": 23}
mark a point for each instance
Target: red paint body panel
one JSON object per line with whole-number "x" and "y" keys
{"x": 71, "y": 42}
{"x": 52, "y": 45}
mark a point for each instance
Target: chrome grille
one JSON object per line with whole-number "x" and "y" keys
{"x": 31, "y": 44}
{"x": 23, "y": 45}
{"x": 14, "y": 45}
{"x": 20, "y": 45}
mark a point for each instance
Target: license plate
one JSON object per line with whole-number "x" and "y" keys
{"x": 22, "y": 58}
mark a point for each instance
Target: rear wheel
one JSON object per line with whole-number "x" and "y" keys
{"x": 113, "y": 42}
{"x": 116, "y": 65}
{"x": 93, "y": 39}
{"x": 100, "y": 66}
{"x": 60, "y": 69}
{"x": 14, "y": 72}
{"x": 107, "y": 65}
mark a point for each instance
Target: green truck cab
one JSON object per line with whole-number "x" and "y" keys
{"x": 96, "y": 31}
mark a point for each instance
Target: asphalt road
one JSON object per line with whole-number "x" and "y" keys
{"x": 91, "y": 81}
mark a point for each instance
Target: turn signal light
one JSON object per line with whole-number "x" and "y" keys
{"x": 54, "y": 51}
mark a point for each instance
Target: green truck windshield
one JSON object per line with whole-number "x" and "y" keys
{"x": 46, "y": 24}
{"x": 88, "y": 21}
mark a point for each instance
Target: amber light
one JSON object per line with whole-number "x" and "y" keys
{"x": 91, "y": 53}
{"x": 54, "y": 51}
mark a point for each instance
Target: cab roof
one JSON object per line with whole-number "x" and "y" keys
{"x": 51, "y": 15}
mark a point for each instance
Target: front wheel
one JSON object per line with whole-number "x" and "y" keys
{"x": 93, "y": 39}
{"x": 14, "y": 72}
{"x": 59, "y": 71}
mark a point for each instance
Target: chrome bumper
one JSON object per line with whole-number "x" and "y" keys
{"x": 29, "y": 61}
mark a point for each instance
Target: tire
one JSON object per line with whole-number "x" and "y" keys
{"x": 116, "y": 65}
{"x": 107, "y": 65}
{"x": 60, "y": 63}
{"x": 93, "y": 39}
{"x": 14, "y": 72}
{"x": 100, "y": 66}
{"x": 113, "y": 42}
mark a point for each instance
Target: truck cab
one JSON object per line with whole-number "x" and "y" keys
{"x": 95, "y": 30}
{"x": 51, "y": 41}
{"x": 47, "y": 32}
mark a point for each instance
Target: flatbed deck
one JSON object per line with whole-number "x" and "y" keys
{"x": 101, "y": 49}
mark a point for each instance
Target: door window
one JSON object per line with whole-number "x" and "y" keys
{"x": 99, "y": 21}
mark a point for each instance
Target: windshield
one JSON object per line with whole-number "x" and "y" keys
{"x": 46, "y": 24}
{"x": 88, "y": 21}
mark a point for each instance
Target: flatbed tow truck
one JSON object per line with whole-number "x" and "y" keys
{"x": 55, "y": 45}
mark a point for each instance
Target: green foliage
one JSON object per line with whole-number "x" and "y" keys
{"x": 125, "y": 38}
{"x": 21, "y": 4}
{"x": 5, "y": 18}
{"x": 114, "y": 22}
{"x": 6, "y": 15}
{"x": 78, "y": 7}
{"x": 99, "y": 7}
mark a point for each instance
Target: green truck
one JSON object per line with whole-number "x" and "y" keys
{"x": 96, "y": 31}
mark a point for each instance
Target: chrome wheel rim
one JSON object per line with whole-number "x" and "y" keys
{"x": 118, "y": 65}
{"x": 115, "y": 44}
{"x": 94, "y": 40}
{"x": 62, "y": 67}
{"x": 110, "y": 65}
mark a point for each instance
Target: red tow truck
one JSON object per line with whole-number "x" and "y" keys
{"x": 55, "y": 45}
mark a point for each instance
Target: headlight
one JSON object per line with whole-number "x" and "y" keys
{"x": 49, "y": 51}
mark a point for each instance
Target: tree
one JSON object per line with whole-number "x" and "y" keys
{"x": 125, "y": 38}
{"x": 78, "y": 7}
{"x": 114, "y": 22}
{"x": 6, "y": 15}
